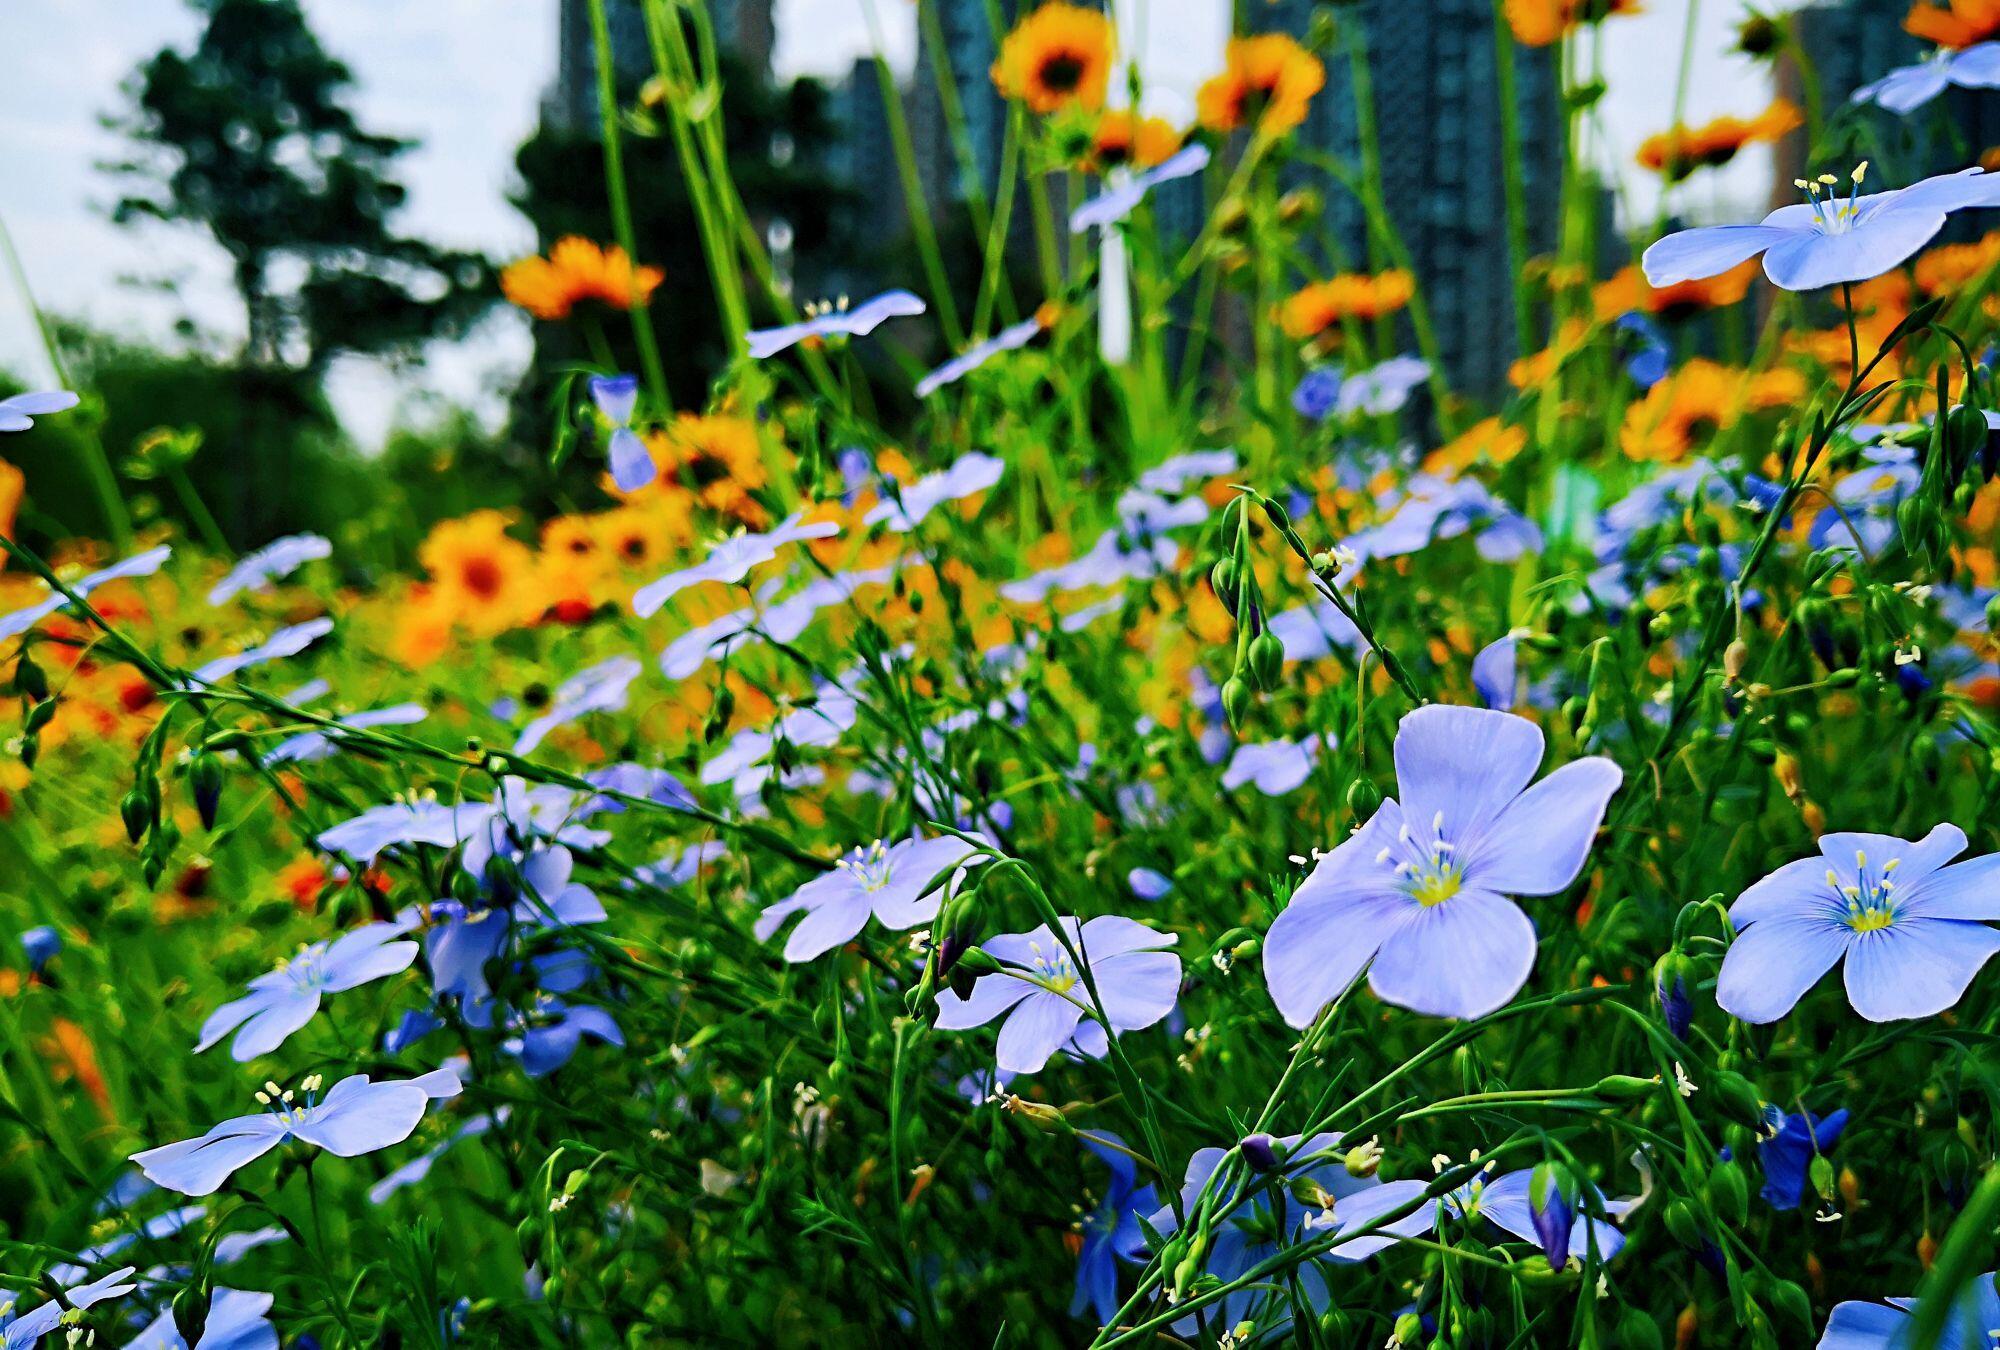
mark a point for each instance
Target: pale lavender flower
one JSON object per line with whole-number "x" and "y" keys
{"x": 1382, "y": 389}
{"x": 1116, "y": 202}
{"x": 1495, "y": 671}
{"x": 1192, "y": 466}
{"x": 1909, "y": 927}
{"x": 969, "y": 474}
{"x": 1907, "y": 88}
{"x": 617, "y": 398}
{"x": 1418, "y": 895}
{"x": 238, "y": 1319}
{"x": 1275, "y": 767}
{"x": 138, "y": 565}
{"x": 1827, "y": 240}
{"x": 1503, "y": 1200}
{"x": 308, "y": 746}
{"x": 1041, "y": 992}
{"x": 891, "y": 882}
{"x": 598, "y": 688}
{"x": 18, "y": 413}
{"x": 16, "y": 1333}
{"x": 1011, "y": 338}
{"x": 730, "y": 560}
{"x": 834, "y": 321}
{"x": 281, "y": 1002}
{"x": 273, "y": 562}
{"x": 357, "y": 1116}
{"x": 288, "y": 641}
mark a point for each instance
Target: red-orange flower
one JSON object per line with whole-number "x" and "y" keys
{"x": 1269, "y": 79}
{"x": 577, "y": 270}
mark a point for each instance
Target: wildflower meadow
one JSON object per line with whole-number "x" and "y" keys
{"x": 1094, "y": 794}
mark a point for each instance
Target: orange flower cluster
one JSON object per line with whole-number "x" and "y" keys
{"x": 1057, "y": 57}
{"x": 1947, "y": 267}
{"x": 1539, "y": 23}
{"x": 1268, "y": 80}
{"x": 1956, "y": 23}
{"x": 1628, "y": 290}
{"x": 1122, "y": 137}
{"x": 574, "y": 271}
{"x": 1317, "y": 307}
{"x": 1680, "y": 151}
{"x": 1699, "y": 400}
{"x": 13, "y": 485}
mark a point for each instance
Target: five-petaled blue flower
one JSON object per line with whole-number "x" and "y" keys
{"x": 1886, "y": 1326}
{"x": 835, "y": 320}
{"x": 1110, "y": 1231}
{"x": 281, "y": 1002}
{"x": 1421, "y": 889}
{"x": 889, "y": 881}
{"x": 1909, "y": 926}
{"x": 1907, "y": 88}
{"x": 357, "y": 1116}
{"x": 1829, "y": 239}
{"x": 1044, "y": 998}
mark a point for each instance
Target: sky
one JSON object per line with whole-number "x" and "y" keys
{"x": 464, "y": 78}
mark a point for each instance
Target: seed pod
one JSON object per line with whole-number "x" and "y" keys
{"x": 1728, "y": 1193}
{"x": 1734, "y": 657}
{"x": 1625, "y": 1087}
{"x": 1222, "y": 577}
{"x": 1681, "y": 1222}
{"x": 136, "y": 809}
{"x": 1363, "y": 797}
{"x": 1236, "y": 700}
{"x": 1267, "y": 660}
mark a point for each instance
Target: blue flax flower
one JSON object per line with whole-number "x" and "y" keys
{"x": 548, "y": 1035}
{"x": 1421, "y": 890}
{"x": 138, "y": 565}
{"x": 308, "y": 746}
{"x": 969, "y": 474}
{"x": 273, "y": 562}
{"x": 357, "y": 1116}
{"x": 730, "y": 561}
{"x": 288, "y": 641}
{"x": 1115, "y": 203}
{"x": 1788, "y": 1154}
{"x": 1827, "y": 240}
{"x": 41, "y": 945}
{"x": 1011, "y": 338}
{"x": 19, "y": 412}
{"x": 1495, "y": 671}
{"x": 1907, "y": 88}
{"x": 617, "y": 397}
{"x": 888, "y": 881}
{"x": 1276, "y": 767}
{"x": 1043, "y": 996}
{"x": 1256, "y": 1222}
{"x": 1178, "y": 472}
{"x": 599, "y": 688}
{"x": 281, "y": 1002}
{"x": 1505, "y": 1201}
{"x": 238, "y": 1319}
{"x": 1908, "y": 925}
{"x": 31, "y": 1326}
{"x": 835, "y": 320}
{"x": 1887, "y": 1326}
{"x": 1110, "y": 1231}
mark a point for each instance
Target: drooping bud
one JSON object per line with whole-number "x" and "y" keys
{"x": 205, "y": 780}
{"x": 1260, "y": 1151}
{"x": 1728, "y": 1192}
{"x": 1236, "y": 700}
{"x": 1670, "y": 986}
{"x": 1267, "y": 660}
{"x": 1552, "y": 1195}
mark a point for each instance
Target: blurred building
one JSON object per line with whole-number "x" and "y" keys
{"x": 745, "y": 27}
{"x": 1846, "y": 44}
{"x": 1436, "y": 87}
{"x": 861, "y": 159}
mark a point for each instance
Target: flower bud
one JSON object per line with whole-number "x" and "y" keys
{"x": 1728, "y": 1192}
{"x": 1260, "y": 1151}
{"x": 1236, "y": 700}
{"x": 1670, "y": 986}
{"x": 1625, "y": 1087}
{"x": 136, "y": 809}
{"x": 1267, "y": 660}
{"x": 1363, "y": 797}
{"x": 205, "y": 779}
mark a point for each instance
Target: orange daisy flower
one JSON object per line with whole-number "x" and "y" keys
{"x": 1123, "y": 137}
{"x": 1629, "y": 290}
{"x": 1956, "y": 23}
{"x": 1057, "y": 56}
{"x": 1539, "y": 23}
{"x": 577, "y": 270}
{"x": 485, "y": 578}
{"x": 1269, "y": 79}
{"x": 1315, "y": 308}
{"x": 1678, "y": 152}
{"x": 717, "y": 459}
